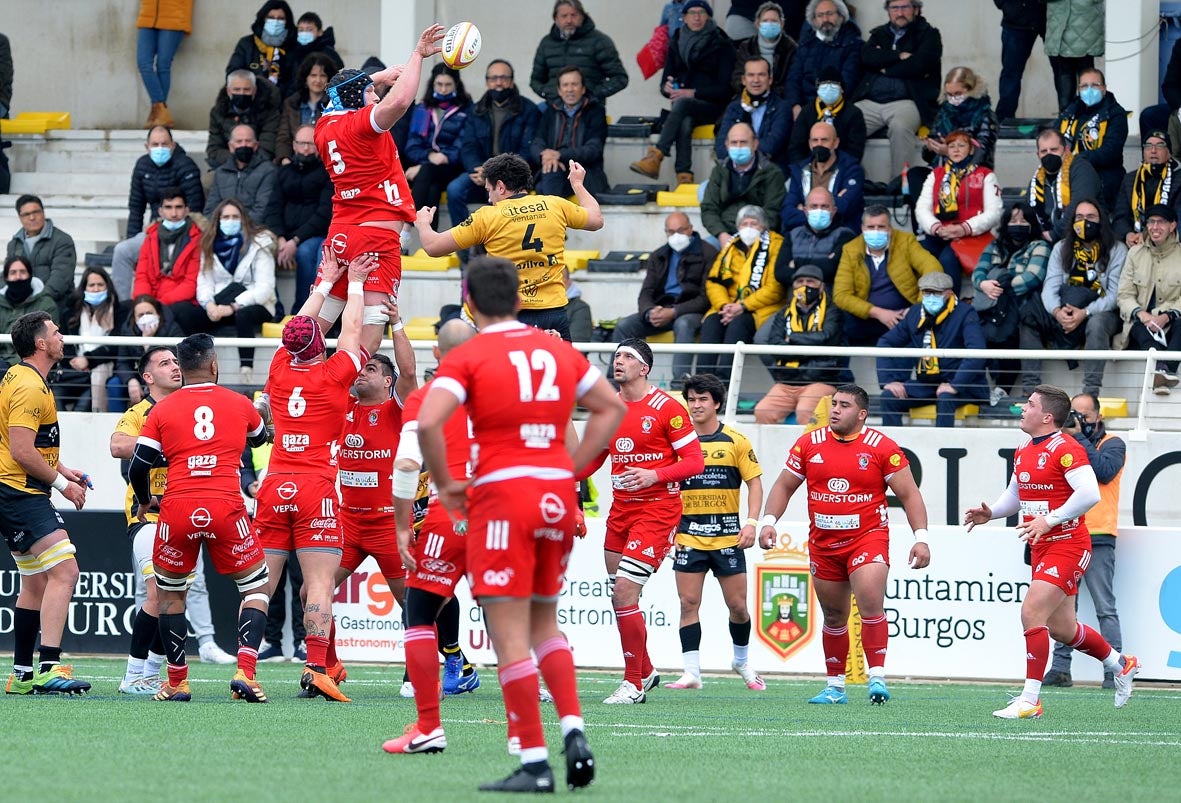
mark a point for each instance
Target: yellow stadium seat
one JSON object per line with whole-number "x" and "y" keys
{"x": 661, "y": 337}
{"x": 421, "y": 328}
{"x": 927, "y": 412}
{"x": 421, "y": 262}
{"x": 275, "y": 330}
{"x": 704, "y": 132}
{"x": 577, "y": 259}
{"x": 35, "y": 122}
{"x": 683, "y": 195}
{"x": 1111, "y": 407}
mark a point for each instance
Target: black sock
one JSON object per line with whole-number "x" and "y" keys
{"x": 157, "y": 640}
{"x": 251, "y": 624}
{"x": 691, "y": 637}
{"x": 740, "y": 633}
{"x": 174, "y": 629}
{"x": 26, "y": 626}
{"x": 144, "y": 631}
{"x": 49, "y": 657}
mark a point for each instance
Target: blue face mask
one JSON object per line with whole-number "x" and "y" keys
{"x": 819, "y": 219}
{"x": 1091, "y": 95}
{"x": 739, "y": 156}
{"x": 305, "y": 37}
{"x": 770, "y": 30}
{"x": 934, "y": 304}
{"x": 274, "y": 27}
{"x": 230, "y": 228}
{"x": 829, "y": 94}
{"x": 877, "y": 240}
{"x": 173, "y": 225}
{"x": 160, "y": 156}
{"x": 94, "y": 299}
{"x": 442, "y": 96}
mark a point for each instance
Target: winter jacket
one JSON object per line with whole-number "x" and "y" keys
{"x": 692, "y": 267}
{"x": 255, "y": 271}
{"x": 181, "y": 284}
{"x": 166, "y": 15}
{"x": 579, "y": 317}
{"x": 850, "y": 125}
{"x": 53, "y": 260}
{"x": 906, "y": 261}
{"x": 773, "y": 130}
{"x": 247, "y": 56}
{"x": 1170, "y": 84}
{"x": 1084, "y": 183}
{"x": 148, "y": 182}
{"x": 959, "y": 330}
{"x": 290, "y": 120}
{"x": 847, "y": 186}
{"x": 822, "y": 249}
{"x": 1151, "y": 274}
{"x": 325, "y": 44}
{"x": 263, "y": 114}
{"x": 979, "y": 202}
{"x": 588, "y": 49}
{"x": 720, "y": 206}
{"x": 974, "y": 115}
{"x": 842, "y": 53}
{"x": 428, "y": 134}
{"x": 710, "y": 75}
{"x": 1023, "y": 15}
{"x": 801, "y": 370}
{"x": 1108, "y": 157}
{"x": 6, "y": 71}
{"x": 1074, "y": 28}
{"x": 253, "y": 185}
{"x": 39, "y": 301}
{"x": 921, "y": 73}
{"x": 785, "y": 50}
{"x": 1026, "y": 266}
{"x": 1125, "y": 219}
{"x": 584, "y": 135}
{"x": 764, "y": 299}
{"x": 516, "y": 132}
{"x": 303, "y": 201}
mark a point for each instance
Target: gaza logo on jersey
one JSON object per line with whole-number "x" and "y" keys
{"x": 647, "y": 422}
{"x": 838, "y": 485}
{"x": 354, "y": 441}
{"x": 552, "y": 508}
{"x": 624, "y": 444}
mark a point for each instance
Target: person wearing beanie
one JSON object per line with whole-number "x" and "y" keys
{"x": 1154, "y": 181}
{"x": 828, "y": 105}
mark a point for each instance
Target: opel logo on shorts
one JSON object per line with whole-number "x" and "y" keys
{"x": 552, "y": 508}
{"x": 838, "y": 485}
{"x": 287, "y": 490}
{"x": 354, "y": 441}
{"x": 339, "y": 243}
{"x": 200, "y": 518}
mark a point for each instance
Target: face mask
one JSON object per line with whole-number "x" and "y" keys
{"x": 679, "y": 242}
{"x": 956, "y": 100}
{"x": 306, "y": 159}
{"x": 770, "y": 30}
{"x": 1087, "y": 230}
{"x": 1052, "y": 162}
{"x": 821, "y": 154}
{"x": 173, "y": 225}
{"x": 241, "y": 102}
{"x": 19, "y": 290}
{"x": 160, "y": 156}
{"x": 274, "y": 27}
{"x": 819, "y": 219}
{"x": 148, "y": 322}
{"x": 305, "y": 37}
{"x": 829, "y": 94}
{"x": 1091, "y": 95}
{"x": 441, "y": 96}
{"x": 244, "y": 154}
{"x": 500, "y": 95}
{"x": 807, "y": 295}
{"x": 933, "y": 304}
{"x": 748, "y": 235}
{"x": 1019, "y": 233}
{"x": 739, "y": 156}
{"x": 230, "y": 228}
{"x": 877, "y": 240}
{"x": 94, "y": 299}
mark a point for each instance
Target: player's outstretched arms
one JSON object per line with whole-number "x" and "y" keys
{"x": 330, "y": 272}
{"x": 435, "y": 243}
{"x": 405, "y": 81}
{"x": 352, "y": 318}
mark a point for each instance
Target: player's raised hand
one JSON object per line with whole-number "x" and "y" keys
{"x": 920, "y": 556}
{"x": 360, "y": 267}
{"x": 389, "y": 76}
{"x": 977, "y": 515}
{"x": 424, "y": 216}
{"x": 577, "y": 173}
{"x": 428, "y": 43}
{"x": 330, "y": 268}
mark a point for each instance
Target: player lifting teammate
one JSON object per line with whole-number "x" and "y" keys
{"x": 1053, "y": 486}
{"x": 848, "y": 467}
{"x": 520, "y": 387}
{"x": 202, "y": 429}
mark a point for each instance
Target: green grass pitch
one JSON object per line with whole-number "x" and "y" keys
{"x": 930, "y": 742}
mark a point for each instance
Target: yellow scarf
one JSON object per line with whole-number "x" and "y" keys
{"x": 948, "y": 206}
{"x": 1037, "y": 185}
{"x": 271, "y": 57}
{"x": 1140, "y": 200}
{"x": 801, "y": 321}
{"x": 1089, "y": 138}
{"x": 827, "y": 114}
{"x": 749, "y": 102}
{"x": 1083, "y": 271}
{"x": 929, "y": 366}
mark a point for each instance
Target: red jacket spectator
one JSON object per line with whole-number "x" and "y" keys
{"x": 174, "y": 282}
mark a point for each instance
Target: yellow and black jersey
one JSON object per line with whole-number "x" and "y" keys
{"x": 529, "y": 230}
{"x": 711, "y": 518}
{"x": 132, "y": 423}
{"x": 422, "y": 498}
{"x": 26, "y": 402}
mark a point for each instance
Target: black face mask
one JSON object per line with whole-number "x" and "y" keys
{"x": 19, "y": 290}
{"x": 1088, "y": 429}
{"x": 1088, "y": 230}
{"x": 241, "y": 102}
{"x": 500, "y": 95}
{"x": 1018, "y": 233}
{"x": 244, "y": 154}
{"x": 306, "y": 159}
{"x": 821, "y": 154}
{"x": 1052, "y": 162}
{"x": 811, "y": 295}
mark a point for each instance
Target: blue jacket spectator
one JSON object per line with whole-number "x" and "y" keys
{"x": 829, "y": 39}
{"x": 573, "y": 128}
{"x": 842, "y": 175}
{"x": 436, "y": 132}
{"x": 829, "y": 106}
{"x": 760, "y": 106}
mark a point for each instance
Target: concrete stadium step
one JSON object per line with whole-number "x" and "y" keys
{"x": 86, "y": 184}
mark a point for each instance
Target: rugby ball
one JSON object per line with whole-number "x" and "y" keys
{"x": 461, "y": 45}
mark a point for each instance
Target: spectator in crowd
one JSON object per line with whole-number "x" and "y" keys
{"x": 161, "y": 26}
{"x": 899, "y": 90}
{"x": 1078, "y": 309}
{"x": 574, "y": 41}
{"x": 48, "y": 251}
{"x": 6, "y": 73}
{"x": 1074, "y": 37}
{"x": 244, "y": 100}
{"x": 248, "y": 176}
{"x": 1059, "y": 178}
{"x": 964, "y": 107}
{"x": 1149, "y": 295}
{"x": 91, "y": 312}
{"x": 268, "y": 50}
{"x": 164, "y": 166}
{"x": 670, "y": 16}
{"x": 1009, "y": 274}
{"x": 809, "y": 319}
{"x": 759, "y": 106}
{"x": 939, "y": 321}
{"x": 1096, "y": 128}
{"x": 236, "y": 283}
{"x": 305, "y": 105}
{"x": 573, "y": 128}
{"x": 958, "y": 207}
{"x": 1151, "y": 183}
{"x": 826, "y": 166}
{"x": 673, "y": 293}
{"x": 436, "y": 126}
{"x": 820, "y": 240}
{"x": 1022, "y": 22}
{"x": 877, "y": 279}
{"x": 500, "y": 122}
{"x": 1107, "y": 455}
{"x": 770, "y": 42}
{"x": 303, "y": 206}
{"x": 22, "y": 293}
{"x": 828, "y": 106}
{"x": 578, "y": 312}
{"x": 832, "y": 40}
{"x": 313, "y": 39}
{"x": 742, "y": 289}
{"x": 697, "y": 81}
{"x": 148, "y": 318}
{"x": 1164, "y": 115}
{"x": 744, "y": 178}
{"x": 740, "y": 19}
{"x": 171, "y": 254}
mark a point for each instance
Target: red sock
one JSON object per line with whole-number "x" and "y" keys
{"x": 330, "y": 658}
{"x": 247, "y": 660}
{"x": 836, "y": 649}
{"x": 422, "y": 664}
{"x": 1087, "y": 640}
{"x": 874, "y": 635}
{"x": 317, "y": 647}
{"x": 633, "y": 636}
{"x": 556, "y": 663}
{"x": 518, "y": 682}
{"x": 177, "y": 674}
{"x": 1037, "y": 652}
